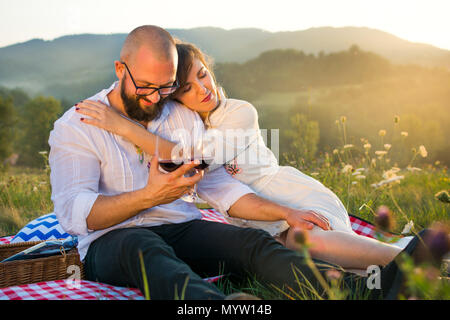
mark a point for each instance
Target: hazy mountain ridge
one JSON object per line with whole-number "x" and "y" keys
{"x": 86, "y": 60}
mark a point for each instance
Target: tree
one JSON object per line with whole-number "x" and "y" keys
{"x": 36, "y": 122}
{"x": 7, "y": 122}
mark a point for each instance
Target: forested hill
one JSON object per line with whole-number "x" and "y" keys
{"x": 83, "y": 64}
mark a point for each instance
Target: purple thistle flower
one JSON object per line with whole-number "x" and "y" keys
{"x": 384, "y": 219}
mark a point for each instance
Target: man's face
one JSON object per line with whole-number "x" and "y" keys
{"x": 146, "y": 72}
{"x": 134, "y": 105}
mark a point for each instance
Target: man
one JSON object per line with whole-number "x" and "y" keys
{"x": 104, "y": 192}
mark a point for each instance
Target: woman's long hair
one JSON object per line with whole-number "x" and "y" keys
{"x": 187, "y": 53}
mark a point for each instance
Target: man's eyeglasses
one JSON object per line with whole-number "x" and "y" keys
{"x": 147, "y": 91}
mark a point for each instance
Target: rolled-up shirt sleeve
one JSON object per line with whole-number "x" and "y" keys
{"x": 221, "y": 190}
{"x": 74, "y": 176}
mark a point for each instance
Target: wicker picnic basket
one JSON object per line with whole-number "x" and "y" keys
{"x": 13, "y": 273}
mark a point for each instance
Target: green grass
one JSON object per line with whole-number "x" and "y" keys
{"x": 25, "y": 194}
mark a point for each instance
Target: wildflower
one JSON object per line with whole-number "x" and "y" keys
{"x": 404, "y": 133}
{"x": 314, "y": 173}
{"x": 35, "y": 189}
{"x": 335, "y": 151}
{"x": 383, "y": 218}
{"x": 360, "y": 177}
{"x": 435, "y": 244}
{"x": 437, "y": 163}
{"x": 395, "y": 169}
{"x": 348, "y": 146}
{"x": 408, "y": 227}
{"x": 387, "y": 181}
{"x": 343, "y": 119}
{"x": 423, "y": 152}
{"x": 43, "y": 152}
{"x": 387, "y": 146}
{"x": 373, "y": 163}
{"x": 367, "y": 146}
{"x": 438, "y": 241}
{"x": 354, "y": 182}
{"x": 412, "y": 169}
{"x": 333, "y": 274}
{"x": 389, "y": 174}
{"x": 382, "y": 133}
{"x": 443, "y": 196}
{"x": 380, "y": 153}
{"x": 347, "y": 168}
{"x": 396, "y": 119}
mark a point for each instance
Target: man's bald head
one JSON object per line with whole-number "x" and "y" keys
{"x": 154, "y": 38}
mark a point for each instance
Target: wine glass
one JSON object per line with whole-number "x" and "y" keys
{"x": 190, "y": 152}
{"x": 197, "y": 152}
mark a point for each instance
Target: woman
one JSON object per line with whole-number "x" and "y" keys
{"x": 286, "y": 185}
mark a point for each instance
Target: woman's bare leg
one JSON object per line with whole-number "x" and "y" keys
{"x": 350, "y": 251}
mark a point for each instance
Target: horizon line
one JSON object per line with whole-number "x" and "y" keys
{"x": 227, "y": 29}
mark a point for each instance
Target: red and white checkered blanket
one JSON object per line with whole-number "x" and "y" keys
{"x": 88, "y": 290}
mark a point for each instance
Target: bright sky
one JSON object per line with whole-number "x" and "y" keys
{"x": 425, "y": 21}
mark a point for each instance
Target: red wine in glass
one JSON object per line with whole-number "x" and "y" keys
{"x": 171, "y": 165}
{"x": 204, "y": 163}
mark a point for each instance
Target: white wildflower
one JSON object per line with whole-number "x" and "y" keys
{"x": 389, "y": 174}
{"x": 380, "y": 153}
{"x": 348, "y": 146}
{"x": 314, "y": 173}
{"x": 387, "y": 181}
{"x": 412, "y": 169}
{"x": 367, "y": 146}
{"x": 387, "y": 146}
{"x": 360, "y": 177}
{"x": 382, "y": 133}
{"x": 407, "y": 228}
{"x": 347, "y": 168}
{"x": 395, "y": 169}
{"x": 43, "y": 152}
{"x": 404, "y": 133}
{"x": 354, "y": 182}
{"x": 423, "y": 152}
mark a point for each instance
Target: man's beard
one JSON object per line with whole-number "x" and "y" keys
{"x": 135, "y": 111}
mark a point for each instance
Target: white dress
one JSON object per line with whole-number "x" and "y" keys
{"x": 282, "y": 184}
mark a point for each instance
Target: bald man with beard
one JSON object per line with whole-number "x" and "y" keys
{"x": 128, "y": 215}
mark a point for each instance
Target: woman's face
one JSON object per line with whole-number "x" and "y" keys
{"x": 199, "y": 92}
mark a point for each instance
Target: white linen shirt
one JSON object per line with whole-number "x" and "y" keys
{"x": 87, "y": 161}
{"x": 257, "y": 164}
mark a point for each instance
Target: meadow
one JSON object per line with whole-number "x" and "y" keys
{"x": 363, "y": 178}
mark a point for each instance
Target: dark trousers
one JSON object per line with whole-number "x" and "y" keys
{"x": 173, "y": 253}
